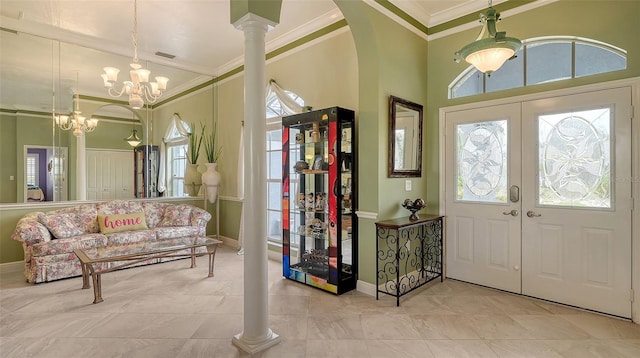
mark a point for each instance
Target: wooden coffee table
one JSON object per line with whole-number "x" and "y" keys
{"x": 97, "y": 261}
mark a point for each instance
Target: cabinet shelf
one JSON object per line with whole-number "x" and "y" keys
{"x": 320, "y": 245}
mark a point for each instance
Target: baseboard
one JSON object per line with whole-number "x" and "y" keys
{"x": 16, "y": 266}
{"x": 366, "y": 288}
{"x": 227, "y": 241}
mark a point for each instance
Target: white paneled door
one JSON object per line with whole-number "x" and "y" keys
{"x": 483, "y": 223}
{"x": 110, "y": 174}
{"x": 537, "y": 202}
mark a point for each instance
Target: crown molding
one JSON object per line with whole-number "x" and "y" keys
{"x": 317, "y": 24}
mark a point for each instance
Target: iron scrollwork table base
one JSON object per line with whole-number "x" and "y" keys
{"x": 409, "y": 254}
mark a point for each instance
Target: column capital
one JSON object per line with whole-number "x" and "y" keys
{"x": 253, "y": 21}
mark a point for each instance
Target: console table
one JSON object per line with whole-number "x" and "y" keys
{"x": 409, "y": 254}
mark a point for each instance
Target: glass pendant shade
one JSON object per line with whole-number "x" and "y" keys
{"x": 133, "y": 139}
{"x": 488, "y": 55}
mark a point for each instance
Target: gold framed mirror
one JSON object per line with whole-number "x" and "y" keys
{"x": 405, "y": 138}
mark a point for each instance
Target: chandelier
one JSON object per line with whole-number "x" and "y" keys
{"x": 490, "y": 53}
{"x": 75, "y": 119}
{"x": 138, "y": 88}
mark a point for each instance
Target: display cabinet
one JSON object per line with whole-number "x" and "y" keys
{"x": 146, "y": 171}
{"x": 320, "y": 239}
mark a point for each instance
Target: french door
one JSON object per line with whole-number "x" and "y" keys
{"x": 535, "y": 200}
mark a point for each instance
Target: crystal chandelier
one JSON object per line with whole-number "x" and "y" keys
{"x": 138, "y": 88}
{"x": 490, "y": 53}
{"x": 75, "y": 119}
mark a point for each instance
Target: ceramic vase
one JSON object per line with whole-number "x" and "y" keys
{"x": 211, "y": 181}
{"x": 192, "y": 180}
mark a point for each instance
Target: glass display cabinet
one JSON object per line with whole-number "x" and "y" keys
{"x": 146, "y": 159}
{"x": 319, "y": 199}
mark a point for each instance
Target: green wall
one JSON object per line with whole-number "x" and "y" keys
{"x": 8, "y": 154}
{"x": 391, "y": 61}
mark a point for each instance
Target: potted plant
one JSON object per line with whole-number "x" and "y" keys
{"x": 213, "y": 151}
{"x": 192, "y": 178}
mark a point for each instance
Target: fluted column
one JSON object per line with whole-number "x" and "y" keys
{"x": 256, "y": 335}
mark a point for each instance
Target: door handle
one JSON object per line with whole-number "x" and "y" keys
{"x": 513, "y": 212}
{"x": 532, "y": 214}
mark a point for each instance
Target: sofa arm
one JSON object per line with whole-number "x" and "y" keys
{"x": 30, "y": 231}
{"x": 200, "y": 217}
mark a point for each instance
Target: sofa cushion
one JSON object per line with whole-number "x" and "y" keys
{"x": 84, "y": 216}
{"x": 60, "y": 225}
{"x": 67, "y": 245}
{"x": 154, "y": 211}
{"x": 177, "y": 215}
{"x": 130, "y": 237}
{"x": 110, "y": 223}
{"x": 119, "y": 207}
{"x": 179, "y": 231}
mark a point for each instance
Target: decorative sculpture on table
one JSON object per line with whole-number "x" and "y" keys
{"x": 413, "y": 206}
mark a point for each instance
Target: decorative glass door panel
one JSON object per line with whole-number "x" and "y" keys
{"x": 482, "y": 165}
{"x": 574, "y": 159}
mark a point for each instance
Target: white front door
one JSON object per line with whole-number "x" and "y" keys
{"x": 482, "y": 161}
{"x": 536, "y": 200}
{"x": 576, "y": 202}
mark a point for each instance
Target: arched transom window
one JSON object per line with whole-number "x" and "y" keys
{"x": 541, "y": 60}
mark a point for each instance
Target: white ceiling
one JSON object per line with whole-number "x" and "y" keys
{"x": 97, "y": 33}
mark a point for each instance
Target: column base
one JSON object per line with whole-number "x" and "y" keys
{"x": 255, "y": 347}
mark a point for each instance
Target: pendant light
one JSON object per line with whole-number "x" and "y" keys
{"x": 133, "y": 139}
{"x": 489, "y": 53}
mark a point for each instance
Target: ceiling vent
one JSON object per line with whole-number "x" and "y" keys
{"x": 166, "y": 55}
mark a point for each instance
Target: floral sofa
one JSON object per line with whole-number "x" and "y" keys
{"x": 49, "y": 238}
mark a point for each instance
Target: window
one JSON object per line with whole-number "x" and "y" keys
{"x": 275, "y": 111}
{"x": 33, "y": 160}
{"x": 570, "y": 57}
{"x": 177, "y": 146}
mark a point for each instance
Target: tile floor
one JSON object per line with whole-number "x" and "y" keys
{"x": 169, "y": 310}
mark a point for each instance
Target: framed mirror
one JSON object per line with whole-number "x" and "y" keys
{"x": 405, "y": 138}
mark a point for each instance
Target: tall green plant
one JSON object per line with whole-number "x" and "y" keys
{"x": 195, "y": 142}
{"x": 212, "y": 150}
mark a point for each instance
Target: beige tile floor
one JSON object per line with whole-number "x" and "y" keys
{"x": 169, "y": 310}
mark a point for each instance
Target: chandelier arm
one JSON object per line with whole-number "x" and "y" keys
{"x": 482, "y": 30}
{"x": 148, "y": 95}
{"x": 115, "y": 93}
{"x": 491, "y": 25}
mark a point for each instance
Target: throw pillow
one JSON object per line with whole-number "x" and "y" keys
{"x": 60, "y": 225}
{"x": 177, "y": 215}
{"x": 110, "y": 223}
